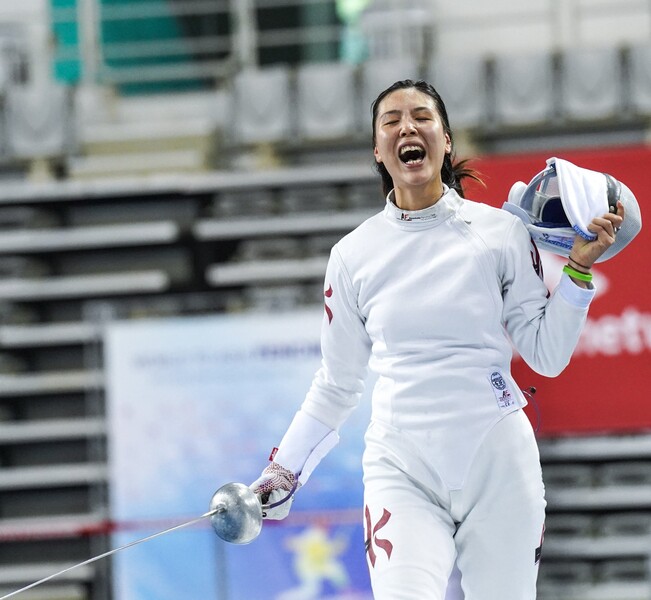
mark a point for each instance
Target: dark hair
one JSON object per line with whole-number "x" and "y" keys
{"x": 452, "y": 172}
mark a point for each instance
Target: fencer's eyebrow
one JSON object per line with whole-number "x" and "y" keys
{"x": 396, "y": 111}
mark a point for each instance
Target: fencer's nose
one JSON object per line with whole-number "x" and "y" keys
{"x": 407, "y": 128}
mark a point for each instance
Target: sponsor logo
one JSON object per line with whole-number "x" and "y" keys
{"x": 505, "y": 400}
{"x": 429, "y": 216}
{"x": 498, "y": 381}
{"x": 502, "y": 394}
{"x": 554, "y": 240}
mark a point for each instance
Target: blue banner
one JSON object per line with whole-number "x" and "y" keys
{"x": 195, "y": 403}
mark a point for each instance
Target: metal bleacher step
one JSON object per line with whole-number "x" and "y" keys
{"x": 49, "y": 288}
{"x": 599, "y": 498}
{"x": 48, "y": 430}
{"x": 595, "y": 448}
{"x": 318, "y": 222}
{"x": 147, "y": 134}
{"x": 78, "y": 238}
{"x": 49, "y": 334}
{"x": 27, "y": 573}
{"x": 158, "y": 134}
{"x": 597, "y": 548}
{"x": 137, "y": 163}
{"x": 51, "y": 476}
{"x": 50, "y": 527}
{"x": 57, "y": 591}
{"x": 61, "y": 382}
{"x": 599, "y": 591}
{"x": 350, "y": 175}
{"x": 267, "y": 271}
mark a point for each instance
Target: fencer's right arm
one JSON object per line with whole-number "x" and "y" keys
{"x": 304, "y": 445}
{"x": 333, "y": 395}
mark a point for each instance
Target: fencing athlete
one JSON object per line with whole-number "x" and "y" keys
{"x": 432, "y": 293}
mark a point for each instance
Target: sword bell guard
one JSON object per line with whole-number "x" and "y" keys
{"x": 237, "y": 513}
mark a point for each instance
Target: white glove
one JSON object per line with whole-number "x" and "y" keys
{"x": 274, "y": 485}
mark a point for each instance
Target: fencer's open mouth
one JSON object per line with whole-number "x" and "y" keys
{"x": 412, "y": 154}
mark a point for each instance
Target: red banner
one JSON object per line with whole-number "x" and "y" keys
{"x": 603, "y": 389}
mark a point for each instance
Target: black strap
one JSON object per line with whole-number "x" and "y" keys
{"x": 614, "y": 193}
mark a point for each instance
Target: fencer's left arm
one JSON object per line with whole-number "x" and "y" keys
{"x": 585, "y": 253}
{"x": 544, "y": 328}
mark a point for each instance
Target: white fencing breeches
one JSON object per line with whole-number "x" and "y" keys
{"x": 416, "y": 528}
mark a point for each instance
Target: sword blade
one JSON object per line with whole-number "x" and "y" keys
{"x": 110, "y": 552}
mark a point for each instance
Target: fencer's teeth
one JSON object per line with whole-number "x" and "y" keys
{"x": 412, "y": 154}
{"x": 410, "y": 148}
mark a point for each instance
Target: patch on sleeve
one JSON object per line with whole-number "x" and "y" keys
{"x": 505, "y": 399}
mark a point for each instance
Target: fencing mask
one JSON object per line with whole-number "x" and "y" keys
{"x": 561, "y": 200}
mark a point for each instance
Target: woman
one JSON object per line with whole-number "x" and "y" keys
{"x": 434, "y": 291}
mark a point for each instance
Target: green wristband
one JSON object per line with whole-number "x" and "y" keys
{"x": 577, "y": 274}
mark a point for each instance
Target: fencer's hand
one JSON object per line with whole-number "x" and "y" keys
{"x": 274, "y": 485}
{"x": 586, "y": 252}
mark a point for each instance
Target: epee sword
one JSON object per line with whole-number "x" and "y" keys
{"x": 235, "y": 514}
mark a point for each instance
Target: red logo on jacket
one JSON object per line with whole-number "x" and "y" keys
{"x": 328, "y": 294}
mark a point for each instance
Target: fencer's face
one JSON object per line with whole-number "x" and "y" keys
{"x": 410, "y": 139}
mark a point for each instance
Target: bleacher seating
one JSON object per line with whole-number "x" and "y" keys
{"x": 71, "y": 587}
{"x": 84, "y": 238}
{"x": 55, "y": 476}
{"x": 639, "y": 79}
{"x": 591, "y": 84}
{"x": 23, "y": 289}
{"x": 326, "y": 96}
{"x": 598, "y": 530}
{"x": 463, "y": 86}
{"x": 262, "y": 106}
{"x": 376, "y": 75}
{"x": 524, "y": 89}
{"x": 51, "y": 430}
{"x": 48, "y": 334}
{"x": 294, "y": 223}
{"x": 279, "y": 270}
{"x": 29, "y": 384}
{"x": 38, "y": 121}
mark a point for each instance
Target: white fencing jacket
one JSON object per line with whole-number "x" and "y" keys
{"x": 433, "y": 301}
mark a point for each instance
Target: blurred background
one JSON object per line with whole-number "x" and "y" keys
{"x": 173, "y": 174}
